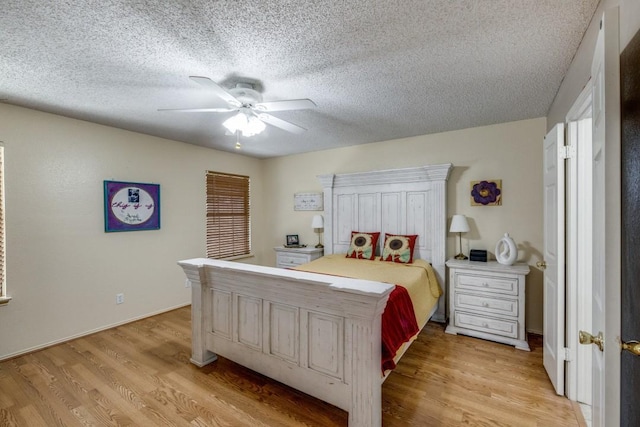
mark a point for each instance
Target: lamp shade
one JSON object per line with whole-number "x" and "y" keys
{"x": 459, "y": 224}
{"x": 317, "y": 222}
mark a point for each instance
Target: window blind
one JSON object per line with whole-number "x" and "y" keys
{"x": 228, "y": 220}
{"x": 3, "y": 288}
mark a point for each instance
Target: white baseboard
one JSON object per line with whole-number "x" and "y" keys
{"x": 533, "y": 331}
{"x": 93, "y": 331}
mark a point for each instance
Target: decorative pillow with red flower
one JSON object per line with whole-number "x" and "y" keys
{"x": 399, "y": 248}
{"x": 363, "y": 245}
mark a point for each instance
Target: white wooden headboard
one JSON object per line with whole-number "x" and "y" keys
{"x": 403, "y": 201}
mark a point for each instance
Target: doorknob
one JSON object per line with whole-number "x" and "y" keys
{"x": 587, "y": 338}
{"x": 541, "y": 264}
{"x": 631, "y": 346}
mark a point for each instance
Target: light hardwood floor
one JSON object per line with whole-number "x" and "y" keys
{"x": 139, "y": 375}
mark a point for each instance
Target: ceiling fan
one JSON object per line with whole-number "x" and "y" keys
{"x": 252, "y": 112}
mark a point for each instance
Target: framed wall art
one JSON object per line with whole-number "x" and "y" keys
{"x": 308, "y": 202}
{"x": 486, "y": 193}
{"x": 130, "y": 206}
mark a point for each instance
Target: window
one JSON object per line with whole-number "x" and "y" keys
{"x": 228, "y": 221}
{"x": 3, "y": 288}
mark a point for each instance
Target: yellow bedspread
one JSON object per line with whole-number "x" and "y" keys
{"x": 418, "y": 278}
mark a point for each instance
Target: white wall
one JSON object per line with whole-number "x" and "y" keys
{"x": 63, "y": 270}
{"x": 509, "y": 151}
{"x": 580, "y": 70}
{"x": 629, "y": 20}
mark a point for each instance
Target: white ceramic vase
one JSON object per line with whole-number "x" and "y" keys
{"x": 506, "y": 250}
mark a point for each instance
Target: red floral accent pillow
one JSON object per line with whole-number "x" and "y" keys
{"x": 363, "y": 245}
{"x": 399, "y": 248}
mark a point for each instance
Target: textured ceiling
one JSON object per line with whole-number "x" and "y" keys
{"x": 377, "y": 69}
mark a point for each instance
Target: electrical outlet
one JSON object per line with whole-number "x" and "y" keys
{"x": 119, "y": 298}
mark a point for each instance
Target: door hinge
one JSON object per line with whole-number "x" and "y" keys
{"x": 568, "y": 354}
{"x": 567, "y": 151}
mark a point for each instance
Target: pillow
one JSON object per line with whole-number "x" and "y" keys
{"x": 363, "y": 245}
{"x": 399, "y": 248}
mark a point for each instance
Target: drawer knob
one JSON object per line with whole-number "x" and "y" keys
{"x": 485, "y": 324}
{"x": 485, "y": 304}
{"x": 485, "y": 284}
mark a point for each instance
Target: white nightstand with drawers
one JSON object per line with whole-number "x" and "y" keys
{"x": 292, "y": 257}
{"x": 487, "y": 300}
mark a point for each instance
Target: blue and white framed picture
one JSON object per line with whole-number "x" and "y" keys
{"x": 130, "y": 206}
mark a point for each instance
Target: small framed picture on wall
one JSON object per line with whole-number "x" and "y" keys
{"x": 307, "y": 202}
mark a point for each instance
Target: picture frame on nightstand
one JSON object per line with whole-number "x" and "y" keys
{"x": 292, "y": 240}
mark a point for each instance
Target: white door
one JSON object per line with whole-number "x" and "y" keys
{"x": 578, "y": 246}
{"x": 554, "y": 241}
{"x": 605, "y": 72}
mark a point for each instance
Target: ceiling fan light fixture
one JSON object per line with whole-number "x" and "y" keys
{"x": 235, "y": 122}
{"x": 248, "y": 124}
{"x": 250, "y": 118}
{"x": 254, "y": 126}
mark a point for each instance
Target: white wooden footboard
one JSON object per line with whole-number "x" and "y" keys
{"x": 316, "y": 333}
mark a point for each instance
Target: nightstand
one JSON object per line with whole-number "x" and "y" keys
{"x": 292, "y": 257}
{"x": 487, "y": 300}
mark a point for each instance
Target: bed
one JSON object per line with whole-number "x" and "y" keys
{"x": 321, "y": 333}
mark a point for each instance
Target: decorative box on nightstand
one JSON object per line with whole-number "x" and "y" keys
{"x": 487, "y": 300}
{"x": 292, "y": 257}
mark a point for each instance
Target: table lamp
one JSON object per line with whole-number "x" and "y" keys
{"x": 318, "y": 226}
{"x": 459, "y": 225}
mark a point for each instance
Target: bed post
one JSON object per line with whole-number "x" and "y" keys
{"x": 366, "y": 380}
{"x": 197, "y": 277}
{"x": 327, "y": 187}
{"x": 439, "y": 249}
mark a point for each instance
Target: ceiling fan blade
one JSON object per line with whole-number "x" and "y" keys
{"x": 291, "y": 104}
{"x": 204, "y": 81}
{"x": 199, "y": 110}
{"x": 282, "y": 124}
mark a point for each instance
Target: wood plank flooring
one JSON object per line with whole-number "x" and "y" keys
{"x": 139, "y": 375}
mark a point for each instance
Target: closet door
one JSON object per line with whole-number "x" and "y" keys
{"x": 554, "y": 257}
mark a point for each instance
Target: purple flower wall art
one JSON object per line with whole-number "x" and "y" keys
{"x": 486, "y": 193}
